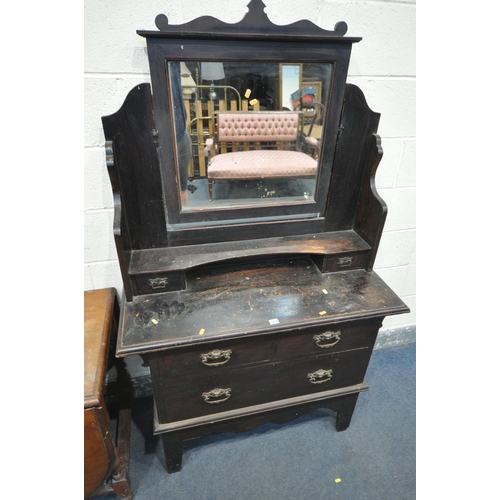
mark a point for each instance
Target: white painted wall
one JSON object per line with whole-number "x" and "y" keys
{"x": 382, "y": 65}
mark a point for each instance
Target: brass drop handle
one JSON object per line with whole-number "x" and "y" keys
{"x": 345, "y": 261}
{"x": 331, "y": 338}
{"x": 216, "y": 357}
{"x": 320, "y": 376}
{"x": 216, "y": 396}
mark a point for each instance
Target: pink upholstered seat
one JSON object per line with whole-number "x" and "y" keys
{"x": 261, "y": 164}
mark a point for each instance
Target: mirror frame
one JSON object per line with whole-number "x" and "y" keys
{"x": 254, "y": 39}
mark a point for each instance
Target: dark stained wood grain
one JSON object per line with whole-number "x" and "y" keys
{"x": 372, "y": 212}
{"x": 163, "y": 269}
{"x": 140, "y": 227}
{"x": 187, "y": 362}
{"x": 240, "y": 300}
{"x": 252, "y": 416}
{"x": 185, "y": 257}
{"x": 341, "y": 401}
{"x": 120, "y": 225}
{"x": 304, "y": 341}
{"x": 135, "y": 177}
{"x": 132, "y": 132}
{"x": 221, "y": 233}
{"x": 280, "y": 298}
{"x": 253, "y": 25}
{"x": 357, "y": 126}
{"x": 166, "y": 49}
{"x": 178, "y": 399}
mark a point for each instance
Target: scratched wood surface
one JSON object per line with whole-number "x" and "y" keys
{"x": 175, "y": 258}
{"x": 222, "y": 302}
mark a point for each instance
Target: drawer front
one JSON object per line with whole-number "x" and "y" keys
{"x": 344, "y": 262}
{"x": 190, "y": 397}
{"x": 327, "y": 339}
{"x": 212, "y": 358}
{"x": 156, "y": 283}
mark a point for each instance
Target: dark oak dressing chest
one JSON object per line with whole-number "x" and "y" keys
{"x": 248, "y": 281}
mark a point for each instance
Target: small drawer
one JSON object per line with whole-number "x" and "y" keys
{"x": 326, "y": 339}
{"x": 206, "y": 359}
{"x": 180, "y": 399}
{"x": 342, "y": 262}
{"x": 157, "y": 283}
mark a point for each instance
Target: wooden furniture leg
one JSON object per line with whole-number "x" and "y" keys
{"x": 173, "y": 441}
{"x": 120, "y": 482}
{"x": 172, "y": 447}
{"x": 344, "y": 415}
{"x": 120, "y": 479}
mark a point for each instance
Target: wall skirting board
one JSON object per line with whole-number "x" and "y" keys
{"x": 396, "y": 336}
{"x": 141, "y": 379}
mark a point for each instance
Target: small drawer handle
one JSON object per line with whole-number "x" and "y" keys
{"x": 155, "y": 283}
{"x": 345, "y": 261}
{"x": 327, "y": 337}
{"x": 320, "y": 376}
{"x": 216, "y": 396}
{"x": 217, "y": 357}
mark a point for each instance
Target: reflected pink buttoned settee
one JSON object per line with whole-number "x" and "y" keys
{"x": 262, "y": 145}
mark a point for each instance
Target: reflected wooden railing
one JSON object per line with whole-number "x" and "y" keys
{"x": 201, "y": 123}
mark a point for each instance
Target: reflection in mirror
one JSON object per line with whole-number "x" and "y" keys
{"x": 290, "y": 83}
{"x": 247, "y": 133}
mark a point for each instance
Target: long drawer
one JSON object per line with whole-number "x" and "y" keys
{"x": 180, "y": 398}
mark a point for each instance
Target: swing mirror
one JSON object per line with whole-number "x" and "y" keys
{"x": 247, "y": 133}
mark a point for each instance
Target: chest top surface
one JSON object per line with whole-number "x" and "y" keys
{"x": 223, "y": 302}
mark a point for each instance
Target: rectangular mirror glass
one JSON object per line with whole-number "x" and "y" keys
{"x": 247, "y": 133}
